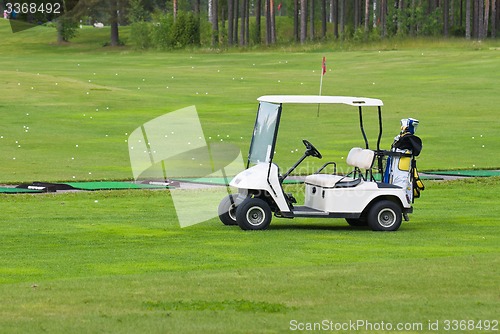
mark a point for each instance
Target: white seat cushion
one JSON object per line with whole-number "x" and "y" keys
{"x": 326, "y": 180}
{"x": 353, "y": 156}
{"x": 361, "y": 158}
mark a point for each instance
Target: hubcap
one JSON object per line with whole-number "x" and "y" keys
{"x": 387, "y": 217}
{"x": 255, "y": 216}
{"x": 232, "y": 212}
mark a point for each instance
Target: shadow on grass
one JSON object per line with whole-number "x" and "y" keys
{"x": 319, "y": 227}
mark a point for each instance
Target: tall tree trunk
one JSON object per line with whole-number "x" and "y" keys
{"x": 480, "y": 17}
{"x": 452, "y": 14}
{"x": 258, "y": 6}
{"x": 461, "y": 14}
{"x": 332, "y": 7}
{"x": 197, "y": 7}
{"x": 115, "y": 36}
{"x": 303, "y": 21}
{"x": 401, "y": 12}
{"x": 493, "y": 18}
{"x": 446, "y": 16}
{"x": 296, "y": 20}
{"x": 215, "y": 23}
{"x": 247, "y": 22}
{"x": 175, "y": 7}
{"x": 356, "y": 14}
{"x": 210, "y": 9}
{"x": 431, "y": 6}
{"x": 236, "y": 15}
{"x": 413, "y": 25}
{"x": 243, "y": 33}
{"x": 323, "y": 19}
{"x": 60, "y": 37}
{"x": 486, "y": 17}
{"x": 311, "y": 20}
{"x": 268, "y": 22}
{"x": 468, "y": 34}
{"x": 383, "y": 18}
{"x": 273, "y": 22}
{"x": 497, "y": 19}
{"x": 475, "y": 20}
{"x": 222, "y": 12}
{"x": 246, "y": 8}
{"x": 336, "y": 18}
{"x": 367, "y": 15}
{"x": 230, "y": 21}
{"x": 342, "y": 18}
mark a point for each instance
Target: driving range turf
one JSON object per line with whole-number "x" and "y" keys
{"x": 118, "y": 262}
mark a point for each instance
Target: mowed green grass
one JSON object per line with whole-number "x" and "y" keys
{"x": 67, "y": 110}
{"x": 118, "y": 262}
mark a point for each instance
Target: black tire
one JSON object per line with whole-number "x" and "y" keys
{"x": 385, "y": 216}
{"x": 357, "y": 222}
{"x": 253, "y": 214}
{"x": 227, "y": 210}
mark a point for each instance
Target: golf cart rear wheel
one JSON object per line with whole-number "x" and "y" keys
{"x": 227, "y": 210}
{"x": 253, "y": 214}
{"x": 385, "y": 216}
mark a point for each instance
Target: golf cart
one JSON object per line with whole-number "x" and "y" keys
{"x": 359, "y": 197}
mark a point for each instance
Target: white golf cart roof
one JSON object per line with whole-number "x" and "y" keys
{"x": 317, "y": 99}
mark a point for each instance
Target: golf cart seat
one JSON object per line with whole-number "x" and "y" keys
{"x": 358, "y": 158}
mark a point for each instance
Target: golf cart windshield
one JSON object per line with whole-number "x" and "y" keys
{"x": 264, "y": 133}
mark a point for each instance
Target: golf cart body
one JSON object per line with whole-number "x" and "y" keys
{"x": 357, "y": 196}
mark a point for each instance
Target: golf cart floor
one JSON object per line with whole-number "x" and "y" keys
{"x": 307, "y": 211}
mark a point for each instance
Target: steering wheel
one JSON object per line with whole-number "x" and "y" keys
{"x": 311, "y": 150}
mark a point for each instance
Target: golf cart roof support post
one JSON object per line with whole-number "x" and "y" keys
{"x": 271, "y": 156}
{"x": 380, "y": 157}
{"x": 361, "y": 126}
{"x": 275, "y": 138}
{"x": 379, "y": 127}
{"x": 269, "y": 181}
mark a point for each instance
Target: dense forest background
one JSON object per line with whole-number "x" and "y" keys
{"x": 224, "y": 23}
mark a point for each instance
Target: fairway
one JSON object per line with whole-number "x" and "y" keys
{"x": 67, "y": 111}
{"x": 118, "y": 262}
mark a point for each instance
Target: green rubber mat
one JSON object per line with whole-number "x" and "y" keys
{"x": 430, "y": 177}
{"x": 469, "y": 173}
{"x": 111, "y": 186}
{"x": 9, "y": 190}
{"x": 220, "y": 181}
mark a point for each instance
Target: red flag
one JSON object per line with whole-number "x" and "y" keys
{"x": 323, "y": 66}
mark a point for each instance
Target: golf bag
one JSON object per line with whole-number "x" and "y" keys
{"x": 401, "y": 168}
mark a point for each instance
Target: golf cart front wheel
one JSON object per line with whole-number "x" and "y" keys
{"x": 385, "y": 216}
{"x": 227, "y": 210}
{"x": 253, "y": 214}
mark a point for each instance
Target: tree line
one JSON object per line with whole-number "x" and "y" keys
{"x": 221, "y": 23}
